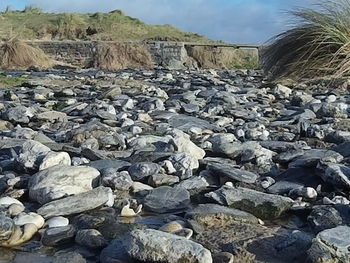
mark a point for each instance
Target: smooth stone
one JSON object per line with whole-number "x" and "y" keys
{"x": 90, "y": 238}
{"x": 166, "y": 199}
{"x": 262, "y": 205}
{"x": 78, "y": 203}
{"x": 30, "y": 218}
{"x": 185, "y": 232}
{"x": 232, "y": 172}
{"x": 171, "y": 227}
{"x": 156, "y": 246}
{"x": 7, "y": 201}
{"x": 60, "y": 181}
{"x": 54, "y": 158}
{"x": 58, "y": 221}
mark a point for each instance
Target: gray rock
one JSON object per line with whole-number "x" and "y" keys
{"x": 102, "y": 165}
{"x": 166, "y": 199}
{"x": 90, "y": 238}
{"x": 141, "y": 171}
{"x": 69, "y": 257}
{"x": 331, "y": 245}
{"x": 337, "y": 175}
{"x": 232, "y": 172}
{"x": 58, "y": 236}
{"x": 324, "y": 217}
{"x": 78, "y": 203}
{"x": 52, "y": 116}
{"x": 19, "y": 114}
{"x": 156, "y": 246}
{"x": 312, "y": 157}
{"x": 186, "y": 123}
{"x": 31, "y": 154}
{"x": 184, "y": 164}
{"x": 116, "y": 180}
{"x": 264, "y": 206}
{"x": 60, "y": 181}
{"x": 214, "y": 215}
{"x": 162, "y": 179}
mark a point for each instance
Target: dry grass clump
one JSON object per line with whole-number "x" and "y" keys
{"x": 223, "y": 57}
{"x": 15, "y": 54}
{"x": 318, "y": 45}
{"x": 115, "y": 56}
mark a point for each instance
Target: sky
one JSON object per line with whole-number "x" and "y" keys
{"x": 233, "y": 21}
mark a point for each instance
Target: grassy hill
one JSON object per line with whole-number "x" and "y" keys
{"x": 33, "y": 23}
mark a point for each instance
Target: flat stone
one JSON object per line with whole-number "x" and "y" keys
{"x": 78, "y": 203}
{"x": 262, "y": 205}
{"x": 166, "y": 199}
{"x": 156, "y": 246}
{"x": 58, "y": 236}
{"x": 232, "y": 172}
{"x": 60, "y": 181}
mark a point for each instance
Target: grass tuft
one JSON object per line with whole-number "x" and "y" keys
{"x": 115, "y": 56}
{"x": 318, "y": 45}
{"x": 15, "y": 54}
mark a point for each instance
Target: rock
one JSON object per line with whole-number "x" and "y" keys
{"x": 141, "y": 171}
{"x": 31, "y": 218}
{"x": 324, "y": 217}
{"x": 53, "y": 158}
{"x": 194, "y": 183}
{"x": 162, "y": 179}
{"x": 116, "y": 180}
{"x": 331, "y": 245}
{"x": 183, "y": 143}
{"x": 223, "y": 257}
{"x": 172, "y": 227}
{"x": 52, "y": 116}
{"x": 58, "y": 236}
{"x": 156, "y": 246}
{"x": 90, "y": 238}
{"x": 337, "y": 174}
{"x": 166, "y": 199}
{"x": 19, "y": 114}
{"x": 69, "y": 257}
{"x": 184, "y": 165}
{"x": 78, "y": 203}
{"x": 232, "y": 172}
{"x": 102, "y": 165}
{"x": 312, "y": 157}
{"x": 215, "y": 215}
{"x": 57, "y": 221}
{"x": 31, "y": 154}
{"x": 264, "y": 206}
{"x": 60, "y": 181}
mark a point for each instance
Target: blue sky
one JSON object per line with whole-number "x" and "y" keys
{"x": 235, "y": 21}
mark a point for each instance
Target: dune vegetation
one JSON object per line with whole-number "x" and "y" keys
{"x": 317, "y": 45}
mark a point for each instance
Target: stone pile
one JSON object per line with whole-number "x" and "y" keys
{"x": 174, "y": 166}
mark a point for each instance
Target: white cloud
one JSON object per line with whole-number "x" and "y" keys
{"x": 236, "y": 21}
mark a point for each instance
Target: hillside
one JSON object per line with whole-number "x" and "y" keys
{"x": 33, "y": 23}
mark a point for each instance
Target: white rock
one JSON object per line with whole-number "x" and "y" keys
{"x": 58, "y": 221}
{"x": 7, "y": 201}
{"x": 55, "y": 158}
{"x": 31, "y": 218}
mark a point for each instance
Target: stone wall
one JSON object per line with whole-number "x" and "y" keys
{"x": 81, "y": 53}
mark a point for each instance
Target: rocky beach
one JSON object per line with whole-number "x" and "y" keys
{"x": 194, "y": 166}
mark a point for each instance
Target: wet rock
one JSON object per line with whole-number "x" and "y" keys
{"x": 152, "y": 245}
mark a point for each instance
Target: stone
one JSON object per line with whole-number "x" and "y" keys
{"x": 216, "y": 215}
{"x": 53, "y": 158}
{"x": 162, "y": 179}
{"x": 31, "y": 154}
{"x": 141, "y": 171}
{"x": 78, "y": 203}
{"x": 324, "y": 217}
{"x": 52, "y": 116}
{"x": 102, "y": 165}
{"x": 172, "y": 227}
{"x": 156, "y": 246}
{"x": 331, "y": 245}
{"x": 183, "y": 143}
{"x": 68, "y": 257}
{"x": 184, "y": 164}
{"x": 58, "y": 221}
{"x": 58, "y": 236}
{"x": 117, "y": 180}
{"x": 90, "y": 238}
{"x": 30, "y": 218}
{"x": 19, "y": 114}
{"x": 262, "y": 205}
{"x": 166, "y": 199}
{"x": 337, "y": 174}
{"x": 312, "y": 157}
{"x": 60, "y": 181}
{"x": 232, "y": 172}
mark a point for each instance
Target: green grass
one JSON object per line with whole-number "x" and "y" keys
{"x": 9, "y": 82}
{"x": 318, "y": 45}
{"x": 32, "y": 23}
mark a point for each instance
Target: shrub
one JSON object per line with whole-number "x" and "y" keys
{"x": 318, "y": 45}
